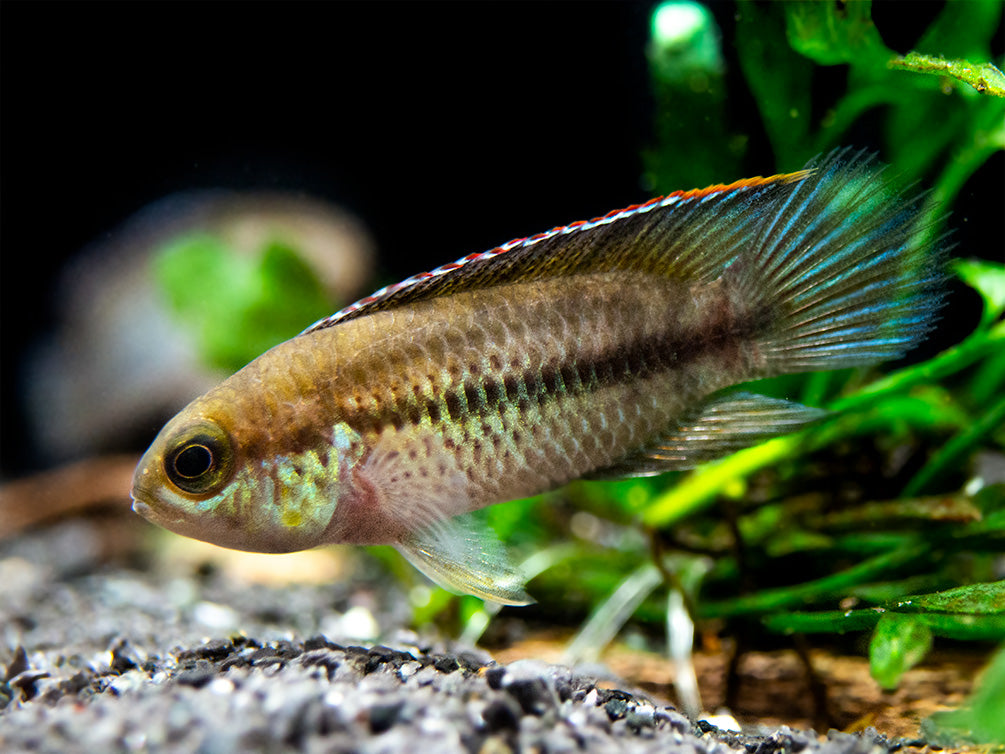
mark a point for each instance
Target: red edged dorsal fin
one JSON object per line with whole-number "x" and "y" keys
{"x": 692, "y": 234}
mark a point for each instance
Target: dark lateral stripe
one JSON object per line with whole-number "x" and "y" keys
{"x": 640, "y": 359}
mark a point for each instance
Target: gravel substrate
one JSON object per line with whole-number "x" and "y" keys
{"x": 121, "y": 660}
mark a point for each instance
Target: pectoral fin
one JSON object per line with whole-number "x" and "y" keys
{"x": 462, "y": 559}
{"x": 420, "y": 498}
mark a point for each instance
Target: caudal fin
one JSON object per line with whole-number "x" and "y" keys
{"x": 843, "y": 271}
{"x": 837, "y": 270}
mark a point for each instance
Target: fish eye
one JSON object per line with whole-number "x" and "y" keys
{"x": 199, "y": 460}
{"x": 193, "y": 460}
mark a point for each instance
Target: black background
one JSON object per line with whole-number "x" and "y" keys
{"x": 448, "y": 128}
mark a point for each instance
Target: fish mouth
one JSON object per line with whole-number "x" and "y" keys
{"x": 146, "y": 502}
{"x": 144, "y": 505}
{"x": 142, "y": 501}
{"x": 146, "y": 510}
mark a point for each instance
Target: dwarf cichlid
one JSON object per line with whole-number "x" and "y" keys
{"x": 598, "y": 349}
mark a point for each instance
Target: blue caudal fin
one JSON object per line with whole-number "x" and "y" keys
{"x": 833, "y": 269}
{"x": 842, "y": 269}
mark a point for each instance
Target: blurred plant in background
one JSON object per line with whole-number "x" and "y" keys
{"x": 238, "y": 306}
{"x": 188, "y": 290}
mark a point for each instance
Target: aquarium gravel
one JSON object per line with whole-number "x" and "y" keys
{"x": 99, "y": 658}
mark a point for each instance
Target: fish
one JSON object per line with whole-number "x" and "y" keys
{"x": 601, "y": 349}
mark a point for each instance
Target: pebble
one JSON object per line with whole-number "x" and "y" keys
{"x": 101, "y": 663}
{"x": 216, "y": 617}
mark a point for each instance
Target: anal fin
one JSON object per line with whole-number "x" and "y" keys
{"x": 722, "y": 425}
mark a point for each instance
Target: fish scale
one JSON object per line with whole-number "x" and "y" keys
{"x": 599, "y": 349}
{"x": 544, "y": 417}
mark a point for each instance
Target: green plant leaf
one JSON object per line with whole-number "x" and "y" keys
{"x": 983, "y": 77}
{"x": 979, "y": 721}
{"x": 948, "y": 457}
{"x": 975, "y": 611}
{"x": 833, "y": 33}
{"x": 883, "y": 593}
{"x": 988, "y": 279}
{"x": 968, "y": 612}
{"x": 824, "y": 621}
{"x": 951, "y": 508}
{"x": 817, "y": 590}
{"x": 780, "y": 80}
{"x": 975, "y": 599}
{"x": 899, "y": 642}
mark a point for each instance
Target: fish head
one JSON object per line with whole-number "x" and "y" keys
{"x": 218, "y": 473}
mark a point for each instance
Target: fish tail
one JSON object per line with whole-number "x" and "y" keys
{"x": 844, "y": 272}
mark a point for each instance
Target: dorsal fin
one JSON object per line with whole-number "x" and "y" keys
{"x": 692, "y": 234}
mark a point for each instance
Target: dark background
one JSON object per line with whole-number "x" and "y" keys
{"x": 448, "y": 128}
